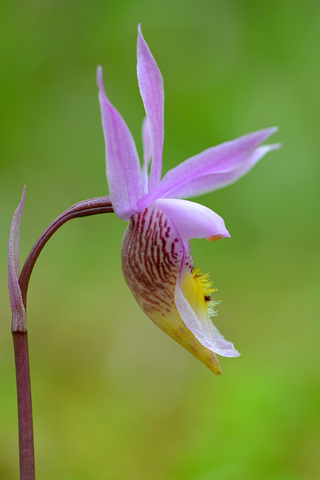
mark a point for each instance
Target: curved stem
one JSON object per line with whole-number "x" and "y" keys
{"x": 85, "y": 208}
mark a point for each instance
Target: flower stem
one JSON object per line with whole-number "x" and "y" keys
{"x": 26, "y": 445}
{"x": 85, "y": 208}
{"x": 20, "y": 338}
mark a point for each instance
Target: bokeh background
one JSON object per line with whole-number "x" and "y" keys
{"x": 114, "y": 397}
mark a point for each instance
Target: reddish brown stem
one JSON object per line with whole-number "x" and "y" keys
{"x": 20, "y": 339}
{"x": 93, "y": 206}
{"x": 26, "y": 444}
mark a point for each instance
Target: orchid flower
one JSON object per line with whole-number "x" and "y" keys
{"x": 155, "y": 255}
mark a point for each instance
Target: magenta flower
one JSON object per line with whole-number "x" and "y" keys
{"x": 156, "y": 259}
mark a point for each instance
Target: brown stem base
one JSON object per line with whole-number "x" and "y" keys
{"x": 26, "y": 446}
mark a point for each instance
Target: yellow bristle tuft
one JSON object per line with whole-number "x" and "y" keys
{"x": 203, "y": 281}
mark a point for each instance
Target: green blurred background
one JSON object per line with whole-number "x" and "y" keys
{"x": 114, "y": 398}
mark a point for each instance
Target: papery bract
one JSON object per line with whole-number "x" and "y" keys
{"x": 16, "y": 301}
{"x": 156, "y": 259}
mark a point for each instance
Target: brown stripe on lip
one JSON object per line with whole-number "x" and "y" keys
{"x": 151, "y": 259}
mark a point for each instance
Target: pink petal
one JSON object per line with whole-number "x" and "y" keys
{"x": 17, "y": 307}
{"x": 208, "y": 183}
{"x": 123, "y": 168}
{"x": 193, "y": 220}
{"x": 220, "y": 159}
{"x": 147, "y": 152}
{"x": 207, "y": 334}
{"x": 151, "y": 89}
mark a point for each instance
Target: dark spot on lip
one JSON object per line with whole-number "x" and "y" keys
{"x": 207, "y": 298}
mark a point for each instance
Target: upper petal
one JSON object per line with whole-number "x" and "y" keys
{"x": 208, "y": 183}
{"x": 151, "y": 89}
{"x": 17, "y": 306}
{"x": 193, "y": 220}
{"x": 123, "y": 168}
{"x": 147, "y": 152}
{"x": 220, "y": 159}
